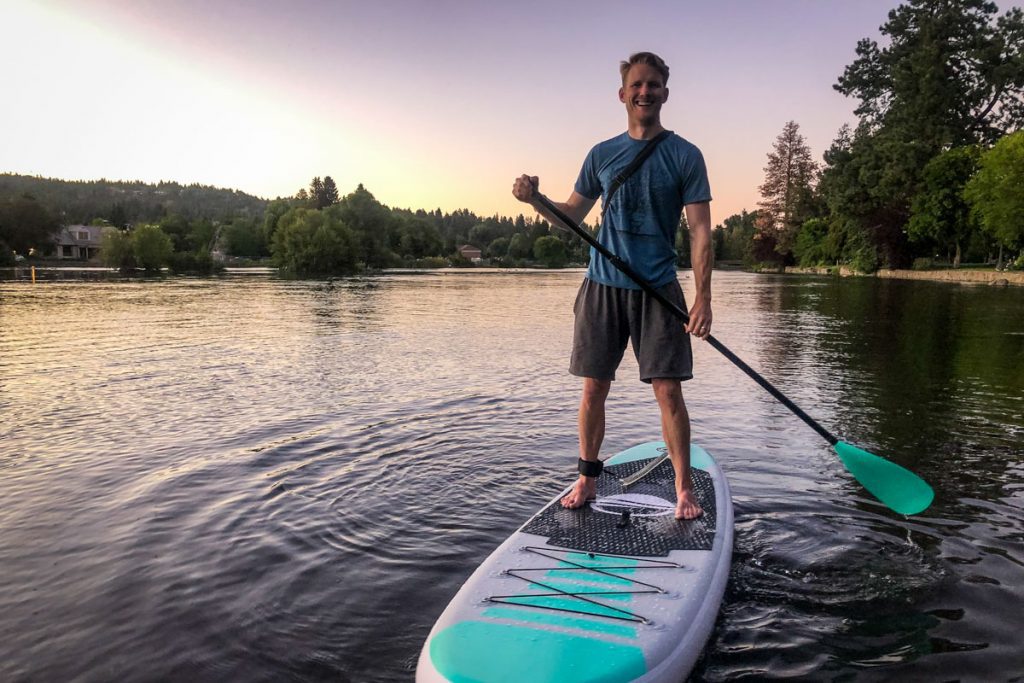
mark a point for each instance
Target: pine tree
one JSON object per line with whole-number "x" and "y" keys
{"x": 330, "y": 192}
{"x": 788, "y": 187}
{"x": 316, "y": 192}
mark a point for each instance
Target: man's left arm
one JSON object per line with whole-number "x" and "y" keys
{"x": 702, "y": 256}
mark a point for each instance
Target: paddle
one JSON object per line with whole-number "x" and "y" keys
{"x": 898, "y": 488}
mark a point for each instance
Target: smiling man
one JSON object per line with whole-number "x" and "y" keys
{"x": 639, "y": 223}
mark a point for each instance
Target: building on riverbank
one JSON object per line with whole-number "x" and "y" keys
{"x": 78, "y": 242}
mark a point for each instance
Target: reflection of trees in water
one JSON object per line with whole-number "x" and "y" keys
{"x": 927, "y": 374}
{"x": 348, "y": 303}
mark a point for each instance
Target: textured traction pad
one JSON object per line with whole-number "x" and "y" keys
{"x": 647, "y": 534}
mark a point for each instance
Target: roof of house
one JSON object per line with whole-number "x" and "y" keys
{"x": 69, "y": 236}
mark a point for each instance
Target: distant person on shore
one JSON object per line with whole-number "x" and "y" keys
{"x": 639, "y": 226}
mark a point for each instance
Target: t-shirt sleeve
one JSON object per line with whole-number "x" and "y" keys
{"x": 588, "y": 184}
{"x": 695, "y": 179}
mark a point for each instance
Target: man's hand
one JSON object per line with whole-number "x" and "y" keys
{"x": 700, "y": 319}
{"x": 525, "y": 188}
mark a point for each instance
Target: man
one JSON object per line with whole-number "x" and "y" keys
{"x": 639, "y": 226}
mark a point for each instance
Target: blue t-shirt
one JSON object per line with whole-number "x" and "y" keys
{"x": 641, "y": 223}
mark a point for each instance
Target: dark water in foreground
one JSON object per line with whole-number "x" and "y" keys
{"x": 252, "y": 479}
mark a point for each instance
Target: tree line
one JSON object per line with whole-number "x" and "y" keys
{"x": 318, "y": 232}
{"x": 932, "y": 172}
{"x": 314, "y": 232}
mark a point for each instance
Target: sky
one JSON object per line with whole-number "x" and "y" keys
{"x": 428, "y": 104}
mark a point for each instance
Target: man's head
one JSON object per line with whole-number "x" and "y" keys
{"x": 643, "y": 88}
{"x": 648, "y": 58}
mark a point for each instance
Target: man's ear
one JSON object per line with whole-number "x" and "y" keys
{"x": 665, "y": 98}
{"x": 622, "y": 95}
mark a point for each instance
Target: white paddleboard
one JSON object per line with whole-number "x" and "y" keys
{"x": 616, "y": 591}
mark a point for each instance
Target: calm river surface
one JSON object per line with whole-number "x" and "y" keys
{"x": 249, "y": 478}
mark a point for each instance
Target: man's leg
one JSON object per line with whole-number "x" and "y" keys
{"x": 675, "y": 427}
{"x": 591, "y": 425}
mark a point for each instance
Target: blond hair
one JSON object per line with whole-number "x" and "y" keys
{"x": 648, "y": 58}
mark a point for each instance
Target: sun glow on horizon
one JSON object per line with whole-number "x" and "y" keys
{"x": 427, "y": 108}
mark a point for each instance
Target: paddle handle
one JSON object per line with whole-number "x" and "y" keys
{"x": 682, "y": 315}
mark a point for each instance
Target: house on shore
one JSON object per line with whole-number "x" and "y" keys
{"x": 470, "y": 253}
{"x": 78, "y": 242}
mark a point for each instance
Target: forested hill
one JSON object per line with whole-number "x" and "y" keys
{"x": 122, "y": 202}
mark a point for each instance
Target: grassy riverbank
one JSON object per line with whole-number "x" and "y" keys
{"x": 964, "y": 275}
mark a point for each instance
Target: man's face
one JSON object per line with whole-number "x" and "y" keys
{"x": 643, "y": 94}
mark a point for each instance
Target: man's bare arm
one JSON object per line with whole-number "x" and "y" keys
{"x": 576, "y": 207}
{"x": 702, "y": 257}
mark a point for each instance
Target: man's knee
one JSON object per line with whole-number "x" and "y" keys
{"x": 595, "y": 390}
{"x": 669, "y": 393}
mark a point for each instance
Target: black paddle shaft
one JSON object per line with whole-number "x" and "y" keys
{"x": 682, "y": 315}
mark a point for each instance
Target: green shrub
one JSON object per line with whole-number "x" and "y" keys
{"x": 117, "y": 251}
{"x": 550, "y": 251}
{"x": 201, "y": 263}
{"x": 152, "y": 247}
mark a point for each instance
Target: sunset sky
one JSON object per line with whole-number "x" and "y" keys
{"x": 435, "y": 104}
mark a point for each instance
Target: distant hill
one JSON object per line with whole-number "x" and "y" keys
{"x": 79, "y": 201}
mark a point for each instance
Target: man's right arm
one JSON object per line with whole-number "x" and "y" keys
{"x": 576, "y": 207}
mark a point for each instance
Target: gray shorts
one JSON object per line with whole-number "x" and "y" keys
{"x": 607, "y": 317}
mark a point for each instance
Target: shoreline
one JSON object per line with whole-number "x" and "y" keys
{"x": 960, "y": 275}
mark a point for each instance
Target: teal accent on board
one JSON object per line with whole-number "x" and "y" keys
{"x": 591, "y": 577}
{"x": 699, "y": 458}
{"x": 592, "y": 592}
{"x": 570, "y": 604}
{"x": 559, "y": 621}
{"x": 474, "y": 651}
{"x": 900, "y": 489}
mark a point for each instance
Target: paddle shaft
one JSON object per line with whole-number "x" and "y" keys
{"x": 682, "y": 315}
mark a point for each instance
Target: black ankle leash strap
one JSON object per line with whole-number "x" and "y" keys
{"x": 622, "y": 176}
{"x": 591, "y": 468}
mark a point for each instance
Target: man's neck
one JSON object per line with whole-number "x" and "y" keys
{"x": 639, "y": 131}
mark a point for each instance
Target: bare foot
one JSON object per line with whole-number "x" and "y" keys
{"x": 583, "y": 490}
{"x": 687, "y": 507}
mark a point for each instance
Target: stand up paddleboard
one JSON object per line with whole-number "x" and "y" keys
{"x": 618, "y": 590}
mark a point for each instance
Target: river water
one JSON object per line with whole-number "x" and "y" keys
{"x": 250, "y": 478}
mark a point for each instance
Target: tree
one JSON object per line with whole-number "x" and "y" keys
{"x": 949, "y": 76}
{"x": 788, "y": 187}
{"x": 177, "y": 228}
{"x": 25, "y": 224}
{"x": 519, "y": 246}
{"x": 550, "y": 251}
{"x": 310, "y": 242}
{"x": 813, "y": 247}
{"x": 322, "y": 193}
{"x": 118, "y": 250}
{"x": 329, "y": 194}
{"x": 416, "y": 238}
{"x": 996, "y": 192}
{"x": 152, "y": 247}
{"x": 316, "y": 192}
{"x": 940, "y": 213}
{"x": 737, "y": 235}
{"x": 242, "y": 237}
{"x": 498, "y": 248}
{"x": 371, "y": 224}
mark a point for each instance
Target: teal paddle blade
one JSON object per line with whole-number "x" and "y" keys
{"x": 900, "y": 489}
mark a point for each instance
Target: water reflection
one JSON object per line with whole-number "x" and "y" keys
{"x": 246, "y": 477}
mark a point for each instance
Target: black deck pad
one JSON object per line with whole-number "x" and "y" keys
{"x": 648, "y": 533}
